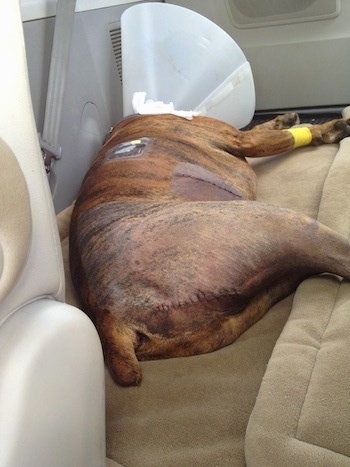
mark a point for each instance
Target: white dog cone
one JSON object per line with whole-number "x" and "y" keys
{"x": 182, "y": 59}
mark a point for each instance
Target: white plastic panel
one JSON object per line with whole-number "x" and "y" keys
{"x": 297, "y": 64}
{"x": 42, "y": 274}
{"x": 93, "y": 92}
{"x": 257, "y": 13}
{"x": 51, "y": 389}
{"x": 37, "y": 9}
{"x": 92, "y": 101}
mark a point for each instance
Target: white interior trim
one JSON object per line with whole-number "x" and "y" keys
{"x": 38, "y": 9}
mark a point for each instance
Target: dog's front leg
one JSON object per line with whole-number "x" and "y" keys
{"x": 257, "y": 143}
{"x": 281, "y": 122}
{"x": 330, "y": 132}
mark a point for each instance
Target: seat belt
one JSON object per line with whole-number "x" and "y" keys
{"x": 56, "y": 84}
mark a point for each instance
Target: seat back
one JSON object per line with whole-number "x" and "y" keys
{"x": 30, "y": 256}
{"x": 52, "y": 409}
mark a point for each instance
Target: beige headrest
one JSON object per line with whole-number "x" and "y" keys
{"x": 15, "y": 220}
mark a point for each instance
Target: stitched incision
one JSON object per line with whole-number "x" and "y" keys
{"x": 193, "y": 182}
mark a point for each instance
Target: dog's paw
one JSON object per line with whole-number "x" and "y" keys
{"x": 124, "y": 373}
{"x": 331, "y": 132}
{"x": 118, "y": 342}
{"x": 286, "y": 121}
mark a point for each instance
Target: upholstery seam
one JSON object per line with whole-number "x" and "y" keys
{"x": 324, "y": 182}
{"x": 330, "y": 315}
{"x": 315, "y": 360}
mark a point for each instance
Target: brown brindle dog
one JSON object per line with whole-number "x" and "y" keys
{"x": 170, "y": 252}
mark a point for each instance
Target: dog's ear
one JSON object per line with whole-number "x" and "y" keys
{"x": 118, "y": 342}
{"x": 193, "y": 182}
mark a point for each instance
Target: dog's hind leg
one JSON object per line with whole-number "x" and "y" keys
{"x": 222, "y": 331}
{"x": 259, "y": 305}
{"x": 185, "y": 271}
{"x": 124, "y": 346}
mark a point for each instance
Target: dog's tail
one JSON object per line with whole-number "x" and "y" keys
{"x": 118, "y": 342}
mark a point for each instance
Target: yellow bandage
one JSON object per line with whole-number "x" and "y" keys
{"x": 302, "y": 136}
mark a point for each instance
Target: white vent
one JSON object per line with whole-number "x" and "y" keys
{"x": 116, "y": 39}
{"x": 257, "y": 13}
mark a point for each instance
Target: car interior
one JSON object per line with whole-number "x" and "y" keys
{"x": 279, "y": 395}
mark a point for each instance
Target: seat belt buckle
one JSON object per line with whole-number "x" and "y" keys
{"x": 50, "y": 154}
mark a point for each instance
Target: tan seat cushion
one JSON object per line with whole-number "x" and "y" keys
{"x": 302, "y": 413}
{"x": 15, "y": 220}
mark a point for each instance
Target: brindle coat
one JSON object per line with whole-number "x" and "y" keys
{"x": 169, "y": 251}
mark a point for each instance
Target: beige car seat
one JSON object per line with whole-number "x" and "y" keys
{"x": 51, "y": 365}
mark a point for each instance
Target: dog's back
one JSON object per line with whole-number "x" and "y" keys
{"x": 152, "y": 157}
